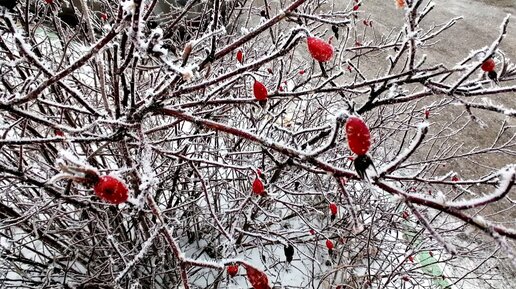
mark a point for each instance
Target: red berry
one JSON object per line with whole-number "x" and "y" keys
{"x": 329, "y": 244}
{"x": 59, "y": 132}
{"x": 257, "y": 278}
{"x": 355, "y": 8}
{"x": 258, "y": 187}
{"x": 319, "y": 49}
{"x": 270, "y": 70}
{"x": 405, "y": 215}
{"x": 359, "y": 138}
{"x": 312, "y": 232}
{"x": 350, "y": 68}
{"x": 49, "y": 1}
{"x": 366, "y": 23}
{"x": 400, "y": 3}
{"x": 302, "y": 71}
{"x": 405, "y": 278}
{"x": 411, "y": 259}
{"x": 280, "y": 88}
{"x": 455, "y": 179}
{"x": 232, "y": 270}
{"x": 240, "y": 56}
{"x": 488, "y": 65}
{"x": 333, "y": 208}
{"x": 103, "y": 16}
{"x": 427, "y": 113}
{"x": 259, "y": 90}
{"x": 111, "y": 190}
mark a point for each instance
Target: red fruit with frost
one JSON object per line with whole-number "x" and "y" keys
{"x": 260, "y": 91}
{"x": 58, "y": 132}
{"x": 333, "y": 208}
{"x": 240, "y": 56}
{"x": 258, "y": 187}
{"x": 257, "y": 278}
{"x": 232, "y": 270}
{"x": 359, "y": 137}
{"x": 488, "y": 65}
{"x": 319, "y": 49}
{"x": 111, "y": 190}
{"x": 329, "y": 244}
{"x": 312, "y": 232}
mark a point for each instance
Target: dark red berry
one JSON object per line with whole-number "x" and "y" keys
{"x": 232, "y": 270}
{"x": 329, "y": 244}
{"x": 333, "y": 208}
{"x": 488, "y": 65}
{"x": 240, "y": 56}
{"x": 260, "y": 91}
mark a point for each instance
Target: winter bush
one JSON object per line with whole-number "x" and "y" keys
{"x": 201, "y": 144}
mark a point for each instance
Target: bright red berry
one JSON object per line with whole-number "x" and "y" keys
{"x": 111, "y": 189}
{"x": 258, "y": 187}
{"x": 259, "y": 90}
{"x": 49, "y": 1}
{"x": 103, "y": 16}
{"x": 319, "y": 49}
{"x": 333, "y": 208}
{"x": 355, "y": 8}
{"x": 359, "y": 138}
{"x": 455, "y": 179}
{"x": 411, "y": 258}
{"x": 240, "y": 56}
{"x": 329, "y": 244}
{"x": 488, "y": 65}
{"x": 302, "y": 71}
{"x": 232, "y": 270}
{"x": 312, "y": 232}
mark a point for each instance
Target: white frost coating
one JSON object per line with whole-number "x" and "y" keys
{"x": 145, "y": 247}
{"x": 506, "y": 180}
{"x": 440, "y": 198}
{"x": 128, "y": 7}
{"x": 407, "y": 151}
